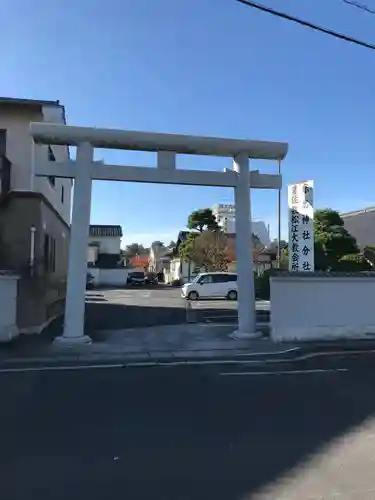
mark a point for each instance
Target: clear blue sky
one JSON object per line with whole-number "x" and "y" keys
{"x": 211, "y": 67}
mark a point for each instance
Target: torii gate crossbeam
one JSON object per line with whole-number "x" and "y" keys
{"x": 84, "y": 170}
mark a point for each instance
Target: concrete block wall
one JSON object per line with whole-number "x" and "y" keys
{"x": 309, "y": 306}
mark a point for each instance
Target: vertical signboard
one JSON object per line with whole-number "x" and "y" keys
{"x": 301, "y": 226}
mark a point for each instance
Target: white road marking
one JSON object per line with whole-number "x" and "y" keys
{"x": 143, "y": 364}
{"x": 332, "y": 353}
{"x": 209, "y": 318}
{"x": 182, "y": 362}
{"x": 285, "y": 351}
{"x": 286, "y": 372}
{"x": 58, "y": 368}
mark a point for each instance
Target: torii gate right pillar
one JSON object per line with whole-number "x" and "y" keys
{"x": 244, "y": 254}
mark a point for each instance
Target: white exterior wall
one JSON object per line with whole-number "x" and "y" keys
{"x": 113, "y": 277}
{"x": 61, "y": 203}
{"x": 92, "y": 254}
{"x": 226, "y": 218}
{"x": 109, "y": 277}
{"x": 228, "y": 225}
{"x": 16, "y": 119}
{"x": 261, "y": 230}
{"x": 107, "y": 244}
{"x": 173, "y": 273}
{"x": 322, "y": 307}
{"x": 8, "y": 308}
{"x": 153, "y": 261}
{"x": 180, "y": 270}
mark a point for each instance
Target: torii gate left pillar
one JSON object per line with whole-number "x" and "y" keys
{"x": 83, "y": 170}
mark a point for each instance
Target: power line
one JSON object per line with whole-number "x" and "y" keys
{"x": 360, "y": 6}
{"x": 307, "y": 24}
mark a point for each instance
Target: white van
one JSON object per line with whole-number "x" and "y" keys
{"x": 211, "y": 285}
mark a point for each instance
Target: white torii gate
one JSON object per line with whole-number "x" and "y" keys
{"x": 83, "y": 170}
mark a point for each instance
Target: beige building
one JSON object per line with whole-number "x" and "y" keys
{"x": 34, "y": 212}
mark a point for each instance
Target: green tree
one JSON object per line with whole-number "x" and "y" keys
{"x": 186, "y": 248}
{"x": 332, "y": 240}
{"x": 202, "y": 219}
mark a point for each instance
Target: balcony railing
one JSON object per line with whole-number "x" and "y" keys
{"x": 5, "y": 171}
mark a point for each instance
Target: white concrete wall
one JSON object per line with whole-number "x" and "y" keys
{"x": 8, "y": 308}
{"x": 113, "y": 277}
{"x": 107, "y": 244}
{"x": 322, "y": 307}
{"x": 109, "y": 277}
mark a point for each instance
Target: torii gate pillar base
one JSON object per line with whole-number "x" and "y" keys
{"x": 65, "y": 341}
{"x": 238, "y": 335}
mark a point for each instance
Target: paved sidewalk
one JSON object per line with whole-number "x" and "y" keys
{"x": 154, "y": 344}
{"x": 197, "y": 342}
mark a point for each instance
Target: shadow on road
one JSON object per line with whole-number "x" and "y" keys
{"x": 110, "y": 316}
{"x": 177, "y": 433}
{"x": 220, "y": 312}
{"x": 101, "y": 315}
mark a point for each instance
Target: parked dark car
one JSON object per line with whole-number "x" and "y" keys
{"x": 89, "y": 281}
{"x": 136, "y": 278}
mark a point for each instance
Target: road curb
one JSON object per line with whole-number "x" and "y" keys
{"x": 181, "y": 357}
{"x": 219, "y": 356}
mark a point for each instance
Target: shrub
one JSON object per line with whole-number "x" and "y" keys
{"x": 262, "y": 284}
{"x": 353, "y": 263}
{"x": 177, "y": 282}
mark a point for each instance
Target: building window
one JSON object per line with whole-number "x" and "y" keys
{"x": 52, "y": 258}
{"x": 46, "y": 253}
{"x": 49, "y": 254}
{"x": 51, "y": 157}
{"x": 3, "y": 142}
{"x": 62, "y": 194}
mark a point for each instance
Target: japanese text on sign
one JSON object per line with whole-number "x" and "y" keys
{"x": 301, "y": 227}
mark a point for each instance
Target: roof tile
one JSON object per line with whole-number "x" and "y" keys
{"x": 105, "y": 231}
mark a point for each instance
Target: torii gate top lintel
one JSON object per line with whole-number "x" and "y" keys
{"x": 46, "y": 133}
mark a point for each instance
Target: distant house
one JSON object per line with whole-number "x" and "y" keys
{"x": 104, "y": 246}
{"x": 361, "y": 225}
{"x": 177, "y": 269}
{"x": 105, "y": 259}
{"x": 186, "y": 271}
{"x": 159, "y": 258}
{"x": 140, "y": 262}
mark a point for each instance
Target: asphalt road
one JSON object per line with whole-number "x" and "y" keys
{"x": 133, "y": 307}
{"x": 251, "y": 431}
{"x": 142, "y": 307}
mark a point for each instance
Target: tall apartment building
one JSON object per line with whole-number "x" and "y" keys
{"x": 34, "y": 211}
{"x": 226, "y": 217}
